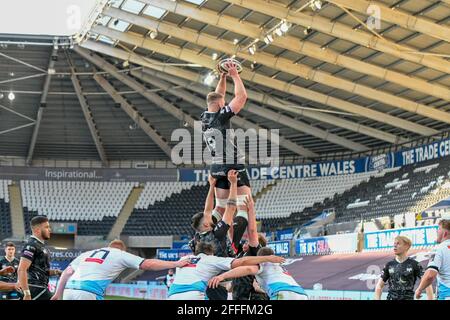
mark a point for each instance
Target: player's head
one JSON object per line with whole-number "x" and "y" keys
{"x": 202, "y": 223}
{"x": 205, "y": 248}
{"x": 401, "y": 245}
{"x": 215, "y": 101}
{"x": 118, "y": 244}
{"x": 443, "y": 232}
{"x": 10, "y": 250}
{"x": 41, "y": 227}
{"x": 266, "y": 251}
{"x": 170, "y": 272}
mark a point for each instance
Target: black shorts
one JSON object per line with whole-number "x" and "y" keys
{"x": 220, "y": 172}
{"x": 40, "y": 293}
{"x": 219, "y": 293}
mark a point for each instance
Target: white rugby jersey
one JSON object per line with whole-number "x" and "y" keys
{"x": 273, "y": 278}
{"x": 195, "y": 275}
{"x": 441, "y": 263}
{"x": 96, "y": 269}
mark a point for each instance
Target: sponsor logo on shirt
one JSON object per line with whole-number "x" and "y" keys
{"x": 28, "y": 253}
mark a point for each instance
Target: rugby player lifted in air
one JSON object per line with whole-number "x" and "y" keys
{"x": 221, "y": 142}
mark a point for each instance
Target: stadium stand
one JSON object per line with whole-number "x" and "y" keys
{"x": 5, "y": 212}
{"x": 412, "y": 188}
{"x": 93, "y": 205}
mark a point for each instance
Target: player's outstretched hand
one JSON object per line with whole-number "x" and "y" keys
{"x": 212, "y": 181}
{"x": 232, "y": 176}
{"x": 232, "y": 69}
{"x": 181, "y": 263}
{"x": 276, "y": 259}
{"x": 215, "y": 281}
{"x": 7, "y": 270}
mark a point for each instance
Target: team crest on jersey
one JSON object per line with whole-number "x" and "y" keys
{"x": 391, "y": 270}
{"x": 409, "y": 269}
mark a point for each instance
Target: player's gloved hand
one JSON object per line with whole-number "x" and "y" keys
{"x": 212, "y": 181}
{"x": 276, "y": 259}
{"x": 215, "y": 281}
{"x": 7, "y": 270}
{"x": 181, "y": 263}
{"x": 232, "y": 176}
{"x": 418, "y": 294}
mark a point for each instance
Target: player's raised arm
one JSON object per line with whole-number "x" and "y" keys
{"x": 222, "y": 84}
{"x": 209, "y": 202}
{"x": 252, "y": 227}
{"x": 240, "y": 94}
{"x": 232, "y": 198}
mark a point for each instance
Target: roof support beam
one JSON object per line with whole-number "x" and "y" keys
{"x": 237, "y": 120}
{"x": 294, "y": 44}
{"x": 194, "y": 57}
{"x": 253, "y": 108}
{"x": 179, "y": 114}
{"x": 280, "y": 64}
{"x": 133, "y": 84}
{"x": 134, "y": 114}
{"x": 398, "y": 17}
{"x": 345, "y": 32}
{"x": 42, "y": 105}
{"x": 188, "y": 80}
{"x": 90, "y": 120}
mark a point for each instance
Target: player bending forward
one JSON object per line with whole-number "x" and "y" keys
{"x": 191, "y": 281}
{"x": 94, "y": 270}
{"x": 271, "y": 276}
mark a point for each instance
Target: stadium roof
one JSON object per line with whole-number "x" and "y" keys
{"x": 316, "y": 70}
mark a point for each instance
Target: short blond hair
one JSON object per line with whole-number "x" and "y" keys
{"x": 118, "y": 244}
{"x": 213, "y": 97}
{"x": 405, "y": 240}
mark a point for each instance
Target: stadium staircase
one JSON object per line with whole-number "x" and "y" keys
{"x": 125, "y": 213}
{"x": 17, "y": 220}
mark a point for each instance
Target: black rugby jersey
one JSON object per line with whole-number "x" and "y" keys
{"x": 220, "y": 138}
{"x": 39, "y": 271}
{"x": 12, "y": 277}
{"x": 401, "y": 278}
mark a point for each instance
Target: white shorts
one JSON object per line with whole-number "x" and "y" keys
{"x": 70, "y": 294}
{"x": 289, "y": 295}
{"x": 189, "y": 295}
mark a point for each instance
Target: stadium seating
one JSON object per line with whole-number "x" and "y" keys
{"x": 410, "y": 189}
{"x": 294, "y": 195}
{"x": 82, "y": 201}
{"x": 168, "y": 212}
{"x": 5, "y": 213}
